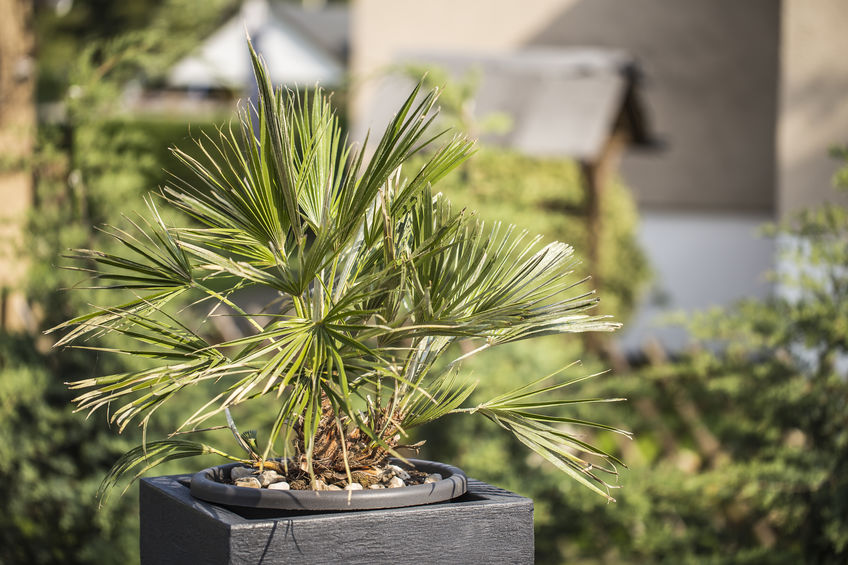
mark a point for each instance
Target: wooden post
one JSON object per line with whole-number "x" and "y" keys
{"x": 17, "y": 132}
{"x": 596, "y": 175}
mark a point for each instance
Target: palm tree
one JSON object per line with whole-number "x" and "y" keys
{"x": 376, "y": 277}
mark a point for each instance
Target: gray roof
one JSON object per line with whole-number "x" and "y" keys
{"x": 300, "y": 46}
{"x": 563, "y": 102}
{"x": 327, "y": 26}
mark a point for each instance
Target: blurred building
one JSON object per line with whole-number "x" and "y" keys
{"x": 577, "y": 103}
{"x": 747, "y": 97}
{"x": 308, "y": 45}
{"x": 302, "y": 46}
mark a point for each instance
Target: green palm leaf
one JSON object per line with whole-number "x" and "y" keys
{"x": 375, "y": 278}
{"x": 141, "y": 459}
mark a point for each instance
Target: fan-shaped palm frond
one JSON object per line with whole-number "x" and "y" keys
{"x": 518, "y": 412}
{"x": 377, "y": 278}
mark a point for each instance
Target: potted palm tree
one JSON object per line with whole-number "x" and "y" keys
{"x": 373, "y": 279}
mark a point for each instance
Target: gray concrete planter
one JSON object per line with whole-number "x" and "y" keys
{"x": 485, "y": 525}
{"x": 212, "y": 485}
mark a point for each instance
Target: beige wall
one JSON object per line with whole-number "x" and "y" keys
{"x": 710, "y": 88}
{"x": 813, "y": 100}
{"x": 710, "y": 66}
{"x": 384, "y": 27}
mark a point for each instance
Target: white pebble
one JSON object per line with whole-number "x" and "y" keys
{"x": 396, "y": 482}
{"x": 353, "y": 486}
{"x": 249, "y": 482}
{"x": 268, "y": 477}
{"x": 282, "y": 485}
{"x": 398, "y": 472}
{"x": 376, "y": 486}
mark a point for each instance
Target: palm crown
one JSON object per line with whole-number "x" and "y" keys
{"x": 375, "y": 278}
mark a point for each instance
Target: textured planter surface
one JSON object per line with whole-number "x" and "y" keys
{"x": 486, "y": 525}
{"x": 210, "y": 485}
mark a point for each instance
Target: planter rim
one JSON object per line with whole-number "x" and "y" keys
{"x": 206, "y": 485}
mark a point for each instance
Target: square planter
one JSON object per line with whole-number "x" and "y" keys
{"x": 486, "y": 525}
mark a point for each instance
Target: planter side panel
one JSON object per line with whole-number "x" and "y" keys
{"x": 192, "y": 536}
{"x": 447, "y": 533}
{"x": 487, "y": 525}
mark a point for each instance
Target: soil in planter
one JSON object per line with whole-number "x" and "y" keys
{"x": 290, "y": 476}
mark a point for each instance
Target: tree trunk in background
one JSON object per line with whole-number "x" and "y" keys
{"x": 17, "y": 133}
{"x": 597, "y": 174}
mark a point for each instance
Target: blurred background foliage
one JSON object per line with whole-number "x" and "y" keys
{"x": 741, "y": 449}
{"x": 92, "y": 164}
{"x": 741, "y": 443}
